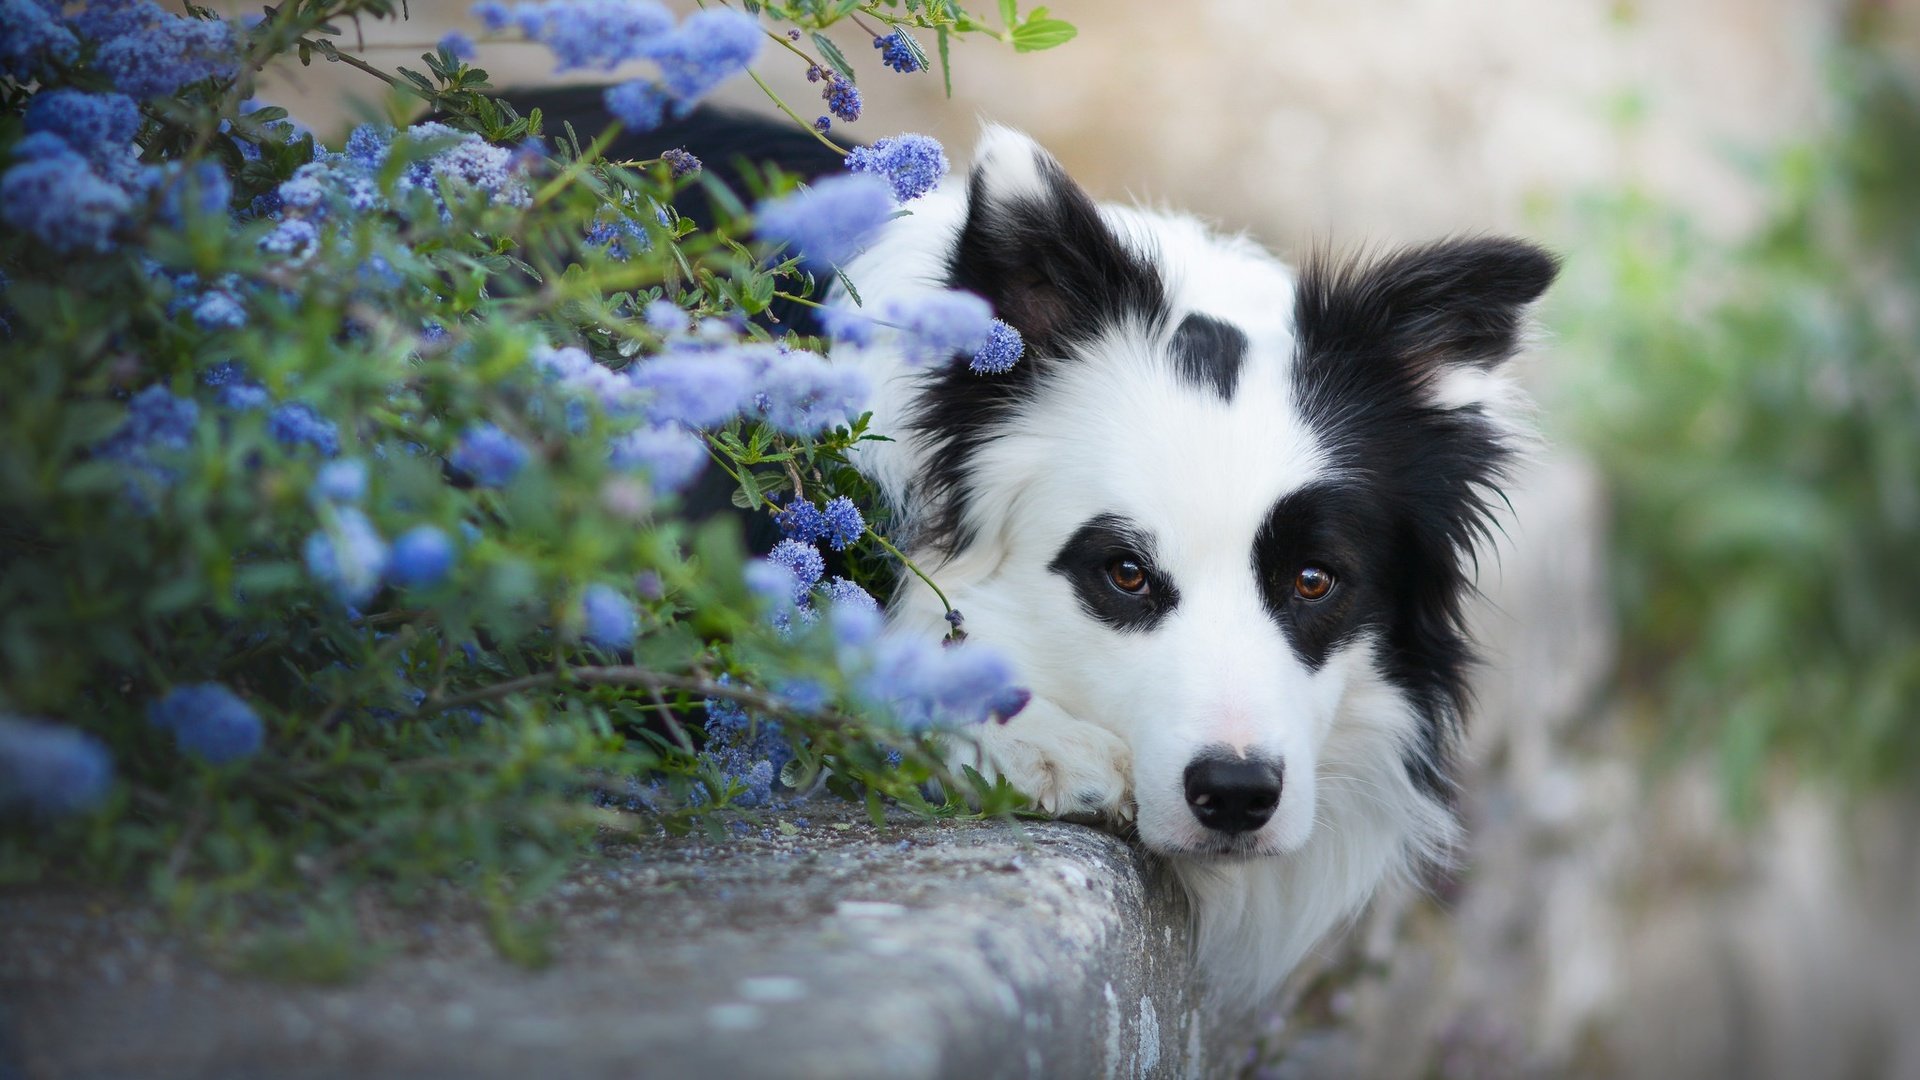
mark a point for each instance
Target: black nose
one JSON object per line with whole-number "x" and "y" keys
{"x": 1233, "y": 795}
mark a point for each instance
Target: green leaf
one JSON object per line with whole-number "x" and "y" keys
{"x": 831, "y": 53}
{"x": 1037, "y": 34}
{"x": 876, "y": 809}
{"x": 1010, "y": 13}
{"x": 946, "y": 69}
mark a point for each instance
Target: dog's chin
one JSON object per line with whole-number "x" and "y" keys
{"x": 1240, "y": 848}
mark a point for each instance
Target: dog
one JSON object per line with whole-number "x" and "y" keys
{"x": 1223, "y": 515}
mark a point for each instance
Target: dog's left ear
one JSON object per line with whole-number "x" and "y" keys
{"x": 1035, "y": 245}
{"x": 1458, "y": 306}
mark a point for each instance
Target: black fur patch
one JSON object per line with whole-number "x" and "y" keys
{"x": 1335, "y": 529}
{"x": 1372, "y": 338}
{"x": 1083, "y": 561}
{"x": 1054, "y": 271}
{"x": 1209, "y": 353}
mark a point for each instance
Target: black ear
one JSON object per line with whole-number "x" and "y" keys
{"x": 1035, "y": 246}
{"x": 1457, "y": 302}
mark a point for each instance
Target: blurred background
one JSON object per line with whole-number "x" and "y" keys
{"x": 1693, "y": 790}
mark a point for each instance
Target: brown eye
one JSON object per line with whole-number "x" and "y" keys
{"x": 1312, "y": 583}
{"x": 1127, "y": 575}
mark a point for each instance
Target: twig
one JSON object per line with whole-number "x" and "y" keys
{"x": 633, "y": 676}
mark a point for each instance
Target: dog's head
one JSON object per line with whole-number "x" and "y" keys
{"x": 1224, "y": 511}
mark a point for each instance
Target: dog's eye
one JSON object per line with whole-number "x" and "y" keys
{"x": 1312, "y": 583}
{"x": 1127, "y": 575}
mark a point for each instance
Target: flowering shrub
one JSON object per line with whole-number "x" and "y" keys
{"x": 343, "y": 519}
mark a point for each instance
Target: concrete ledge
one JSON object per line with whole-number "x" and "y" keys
{"x": 818, "y": 947}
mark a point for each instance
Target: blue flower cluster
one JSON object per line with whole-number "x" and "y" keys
{"x": 1003, "y": 349}
{"x": 841, "y": 96}
{"x": 939, "y": 324}
{"x": 55, "y": 195}
{"x": 839, "y": 524}
{"x": 210, "y": 722}
{"x": 607, "y": 619}
{"x": 924, "y": 684}
{"x": 913, "y": 164}
{"x": 830, "y": 222}
{"x": 150, "y": 52}
{"x": 37, "y": 40}
{"x": 897, "y": 53}
{"x": 50, "y": 769}
{"x": 712, "y": 45}
{"x": 350, "y": 557}
{"x": 489, "y": 457}
{"x": 747, "y": 750}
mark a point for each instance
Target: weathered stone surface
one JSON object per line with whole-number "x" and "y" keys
{"x": 839, "y": 950}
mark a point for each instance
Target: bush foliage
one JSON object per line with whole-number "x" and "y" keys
{"x": 1758, "y": 411}
{"x": 343, "y": 533}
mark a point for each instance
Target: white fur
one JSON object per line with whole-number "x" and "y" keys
{"x": 1117, "y": 717}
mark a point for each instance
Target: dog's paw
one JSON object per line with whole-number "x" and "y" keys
{"x": 1069, "y": 767}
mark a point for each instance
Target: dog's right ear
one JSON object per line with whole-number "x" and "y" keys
{"x": 1037, "y": 248}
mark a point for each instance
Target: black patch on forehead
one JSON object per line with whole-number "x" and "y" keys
{"x": 1083, "y": 561}
{"x": 1373, "y": 337}
{"x": 1054, "y": 271}
{"x": 1209, "y": 353}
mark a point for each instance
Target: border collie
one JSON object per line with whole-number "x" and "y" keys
{"x": 1222, "y": 515}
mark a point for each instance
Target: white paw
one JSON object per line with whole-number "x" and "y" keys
{"x": 1069, "y": 767}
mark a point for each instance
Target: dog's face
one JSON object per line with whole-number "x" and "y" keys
{"x": 1217, "y": 506}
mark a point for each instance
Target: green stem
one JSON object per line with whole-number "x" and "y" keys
{"x": 908, "y": 563}
{"x": 815, "y": 132}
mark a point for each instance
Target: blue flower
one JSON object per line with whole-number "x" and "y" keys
{"x": 748, "y": 751}
{"x": 712, "y": 45}
{"x": 801, "y": 520}
{"x": 896, "y": 53}
{"x": 491, "y": 457}
{"x": 295, "y": 423}
{"x": 587, "y": 33}
{"x": 210, "y": 722}
{"x": 680, "y": 162}
{"x": 846, "y": 324}
{"x": 844, "y": 523}
{"x": 368, "y": 144}
{"x": 639, "y": 104}
{"x": 343, "y": 481}
{"x": 831, "y": 221}
{"x": 157, "y": 421}
{"x": 607, "y": 619}
{"x": 802, "y": 394}
{"x": 58, "y": 199}
{"x": 940, "y": 324}
{"x": 295, "y": 238}
{"x": 457, "y": 44}
{"x": 421, "y": 557}
{"x": 50, "y": 769}
{"x": 1003, "y": 349}
{"x": 219, "y": 310}
{"x": 232, "y": 388}
{"x": 35, "y": 42}
{"x": 671, "y": 456}
{"x": 913, "y": 164}
{"x": 803, "y": 561}
{"x": 90, "y": 124}
{"x": 349, "y": 558}
{"x": 149, "y": 52}
{"x": 187, "y": 193}
{"x": 665, "y": 317}
{"x": 696, "y": 389}
{"x": 841, "y": 96}
{"x": 841, "y": 592}
{"x": 926, "y": 685}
